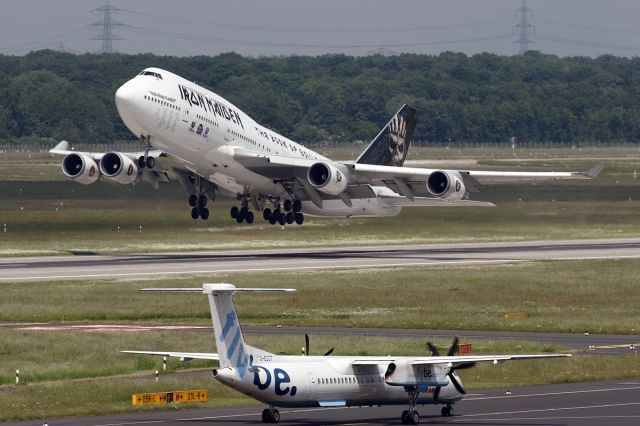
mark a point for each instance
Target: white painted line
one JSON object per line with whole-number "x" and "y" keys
{"x": 543, "y": 410}
{"x": 554, "y": 393}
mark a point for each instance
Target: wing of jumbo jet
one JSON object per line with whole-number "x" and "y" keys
{"x": 409, "y": 186}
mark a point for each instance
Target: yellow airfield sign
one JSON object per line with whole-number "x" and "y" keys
{"x": 169, "y": 397}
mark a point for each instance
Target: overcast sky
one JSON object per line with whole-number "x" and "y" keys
{"x": 305, "y": 27}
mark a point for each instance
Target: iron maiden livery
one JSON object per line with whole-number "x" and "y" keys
{"x": 209, "y": 145}
{"x": 328, "y": 381}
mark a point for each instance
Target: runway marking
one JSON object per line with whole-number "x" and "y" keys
{"x": 511, "y": 419}
{"x": 554, "y": 393}
{"x": 542, "y": 410}
{"x": 276, "y": 269}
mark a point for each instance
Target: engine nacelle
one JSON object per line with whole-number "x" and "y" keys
{"x": 328, "y": 178}
{"x": 119, "y": 167}
{"x": 81, "y": 168}
{"x": 447, "y": 185}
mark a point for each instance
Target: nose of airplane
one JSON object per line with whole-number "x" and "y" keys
{"x": 125, "y": 96}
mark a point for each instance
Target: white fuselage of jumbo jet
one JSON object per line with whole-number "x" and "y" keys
{"x": 204, "y": 131}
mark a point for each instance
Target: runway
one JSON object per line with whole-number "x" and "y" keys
{"x": 585, "y": 404}
{"x": 87, "y": 266}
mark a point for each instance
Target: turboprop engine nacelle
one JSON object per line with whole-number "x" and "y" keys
{"x": 81, "y": 168}
{"x": 119, "y": 167}
{"x": 446, "y": 184}
{"x": 402, "y": 373}
{"x": 328, "y": 178}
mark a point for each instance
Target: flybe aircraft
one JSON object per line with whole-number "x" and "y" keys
{"x": 210, "y": 146}
{"x": 328, "y": 381}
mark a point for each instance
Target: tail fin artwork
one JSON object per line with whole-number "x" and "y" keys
{"x": 390, "y": 146}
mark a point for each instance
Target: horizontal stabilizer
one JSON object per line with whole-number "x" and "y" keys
{"x": 215, "y": 288}
{"x": 184, "y": 356}
{"x": 594, "y": 171}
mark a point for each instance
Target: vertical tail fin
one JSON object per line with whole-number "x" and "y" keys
{"x": 390, "y": 146}
{"x": 232, "y": 350}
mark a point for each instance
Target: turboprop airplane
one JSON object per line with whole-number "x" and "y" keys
{"x": 211, "y": 146}
{"x": 328, "y": 381}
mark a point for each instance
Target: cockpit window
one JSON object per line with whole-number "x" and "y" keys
{"x": 155, "y": 74}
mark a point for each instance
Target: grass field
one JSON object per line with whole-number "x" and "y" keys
{"x": 570, "y": 296}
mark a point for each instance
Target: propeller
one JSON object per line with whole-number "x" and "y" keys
{"x": 454, "y": 381}
{"x": 305, "y": 348}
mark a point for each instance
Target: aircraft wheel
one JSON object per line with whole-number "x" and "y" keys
{"x": 202, "y": 201}
{"x": 265, "y": 415}
{"x": 193, "y": 200}
{"x": 141, "y": 163}
{"x": 273, "y": 219}
{"x": 266, "y": 214}
{"x": 274, "y": 416}
{"x": 204, "y": 213}
{"x": 290, "y": 217}
{"x": 287, "y": 205}
{"x": 297, "y": 206}
{"x": 249, "y": 217}
{"x": 413, "y": 417}
{"x": 235, "y": 211}
{"x": 151, "y": 162}
{"x": 450, "y": 411}
{"x": 194, "y": 213}
{"x": 299, "y": 218}
{"x": 405, "y": 415}
{"x": 282, "y": 219}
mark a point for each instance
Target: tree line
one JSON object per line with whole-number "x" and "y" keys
{"x": 337, "y": 98}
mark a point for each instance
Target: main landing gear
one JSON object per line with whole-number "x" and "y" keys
{"x": 292, "y": 213}
{"x": 270, "y": 415}
{"x": 285, "y": 214}
{"x": 198, "y": 204}
{"x": 447, "y": 411}
{"x": 411, "y": 416}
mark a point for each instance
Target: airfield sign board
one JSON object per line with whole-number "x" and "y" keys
{"x": 169, "y": 397}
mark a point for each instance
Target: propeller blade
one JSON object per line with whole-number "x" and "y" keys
{"x": 282, "y": 353}
{"x": 433, "y": 349}
{"x": 306, "y": 344}
{"x": 436, "y": 393}
{"x": 454, "y": 347}
{"x": 456, "y": 383}
{"x": 329, "y": 352}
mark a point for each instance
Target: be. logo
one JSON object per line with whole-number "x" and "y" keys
{"x": 280, "y": 377}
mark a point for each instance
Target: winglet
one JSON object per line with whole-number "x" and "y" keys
{"x": 594, "y": 171}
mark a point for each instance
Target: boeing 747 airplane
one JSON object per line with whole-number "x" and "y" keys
{"x": 329, "y": 380}
{"x": 211, "y": 146}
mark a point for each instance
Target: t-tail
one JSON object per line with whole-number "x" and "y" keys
{"x": 233, "y": 352}
{"x": 391, "y": 145}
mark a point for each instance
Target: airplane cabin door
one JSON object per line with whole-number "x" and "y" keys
{"x": 313, "y": 386}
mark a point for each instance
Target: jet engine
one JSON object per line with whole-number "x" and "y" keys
{"x": 446, "y": 184}
{"x": 119, "y": 167}
{"x": 328, "y": 178}
{"x": 81, "y": 168}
